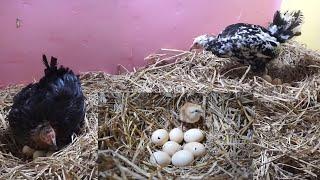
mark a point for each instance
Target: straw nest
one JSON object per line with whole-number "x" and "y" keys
{"x": 254, "y": 129}
{"x": 183, "y": 71}
{"x": 76, "y": 161}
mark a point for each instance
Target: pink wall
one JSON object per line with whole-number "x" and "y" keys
{"x": 99, "y": 34}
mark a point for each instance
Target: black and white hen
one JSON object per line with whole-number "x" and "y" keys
{"x": 44, "y": 115}
{"x": 252, "y": 44}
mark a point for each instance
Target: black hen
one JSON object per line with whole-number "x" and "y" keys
{"x": 252, "y": 44}
{"x": 44, "y": 115}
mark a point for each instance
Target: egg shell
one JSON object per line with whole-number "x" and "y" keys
{"x": 27, "y": 151}
{"x": 182, "y": 158}
{"x": 193, "y": 135}
{"x": 159, "y": 137}
{"x": 276, "y": 81}
{"x": 176, "y": 135}
{"x": 161, "y": 158}
{"x": 196, "y": 148}
{"x": 37, "y": 154}
{"x": 171, "y": 147}
{"x": 267, "y": 78}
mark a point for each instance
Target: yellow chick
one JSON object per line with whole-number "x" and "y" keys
{"x": 190, "y": 112}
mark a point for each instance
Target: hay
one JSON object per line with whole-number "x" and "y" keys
{"x": 254, "y": 130}
{"x": 204, "y": 72}
{"x": 76, "y": 161}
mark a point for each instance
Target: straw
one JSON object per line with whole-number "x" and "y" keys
{"x": 254, "y": 129}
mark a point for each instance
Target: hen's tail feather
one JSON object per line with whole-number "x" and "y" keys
{"x": 52, "y": 68}
{"x": 287, "y": 25}
{"x": 52, "y": 72}
{"x": 45, "y": 61}
{"x": 53, "y": 62}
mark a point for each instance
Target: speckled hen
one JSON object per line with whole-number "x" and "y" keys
{"x": 44, "y": 115}
{"x": 252, "y": 44}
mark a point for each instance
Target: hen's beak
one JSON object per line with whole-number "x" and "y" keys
{"x": 194, "y": 46}
{"x": 54, "y": 146}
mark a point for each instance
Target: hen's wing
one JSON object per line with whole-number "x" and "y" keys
{"x": 24, "y": 94}
{"x": 247, "y": 43}
{"x": 66, "y": 102}
{"x": 237, "y": 28}
{"x": 25, "y": 112}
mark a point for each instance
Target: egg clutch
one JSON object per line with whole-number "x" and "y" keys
{"x": 172, "y": 151}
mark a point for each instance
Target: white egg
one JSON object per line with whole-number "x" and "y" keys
{"x": 37, "y": 154}
{"x": 49, "y": 153}
{"x": 197, "y": 149}
{"x": 27, "y": 151}
{"x": 193, "y": 135}
{"x": 176, "y": 135}
{"x": 159, "y": 137}
{"x": 161, "y": 158}
{"x": 171, "y": 147}
{"x": 182, "y": 158}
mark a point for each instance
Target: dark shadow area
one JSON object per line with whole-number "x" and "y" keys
{"x": 288, "y": 73}
{"x": 8, "y": 144}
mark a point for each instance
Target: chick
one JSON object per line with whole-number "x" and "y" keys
{"x": 190, "y": 112}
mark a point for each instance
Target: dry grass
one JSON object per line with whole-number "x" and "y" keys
{"x": 204, "y": 72}
{"x": 253, "y": 129}
{"x": 76, "y": 161}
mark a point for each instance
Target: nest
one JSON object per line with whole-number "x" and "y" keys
{"x": 254, "y": 129}
{"x": 183, "y": 71}
{"x": 76, "y": 161}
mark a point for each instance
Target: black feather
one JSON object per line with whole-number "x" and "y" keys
{"x": 283, "y": 25}
{"x": 56, "y": 98}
